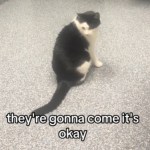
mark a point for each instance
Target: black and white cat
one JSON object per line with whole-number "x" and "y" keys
{"x": 73, "y": 55}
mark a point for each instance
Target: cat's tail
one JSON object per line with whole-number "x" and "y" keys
{"x": 60, "y": 93}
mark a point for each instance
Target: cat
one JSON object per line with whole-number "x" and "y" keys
{"x": 73, "y": 55}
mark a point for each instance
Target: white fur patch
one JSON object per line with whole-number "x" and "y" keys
{"x": 90, "y": 35}
{"x": 85, "y": 31}
{"x": 84, "y": 68}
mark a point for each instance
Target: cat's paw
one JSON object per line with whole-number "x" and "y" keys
{"x": 98, "y": 64}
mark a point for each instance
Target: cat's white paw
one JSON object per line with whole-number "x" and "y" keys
{"x": 98, "y": 64}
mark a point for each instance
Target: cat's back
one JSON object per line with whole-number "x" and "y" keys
{"x": 71, "y": 39}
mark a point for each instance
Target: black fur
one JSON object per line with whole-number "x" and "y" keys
{"x": 69, "y": 52}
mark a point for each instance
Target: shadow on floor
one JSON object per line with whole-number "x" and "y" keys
{"x": 140, "y": 2}
{"x": 3, "y": 1}
{"x": 106, "y": 71}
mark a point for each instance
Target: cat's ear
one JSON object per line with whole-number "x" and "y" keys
{"x": 79, "y": 14}
{"x": 97, "y": 15}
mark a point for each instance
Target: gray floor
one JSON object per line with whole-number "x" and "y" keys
{"x": 27, "y": 34}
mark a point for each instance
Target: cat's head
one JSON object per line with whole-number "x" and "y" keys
{"x": 88, "y": 21}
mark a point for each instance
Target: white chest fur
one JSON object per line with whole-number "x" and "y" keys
{"x": 90, "y": 35}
